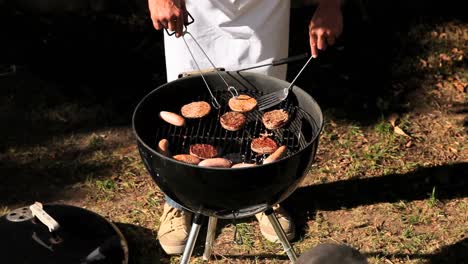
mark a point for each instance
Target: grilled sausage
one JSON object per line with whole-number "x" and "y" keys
{"x": 243, "y": 165}
{"x": 275, "y": 155}
{"x": 216, "y": 163}
{"x": 163, "y": 147}
{"x": 172, "y": 118}
{"x": 187, "y": 159}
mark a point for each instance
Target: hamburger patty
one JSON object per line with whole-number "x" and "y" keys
{"x": 196, "y": 109}
{"x": 233, "y": 121}
{"x": 242, "y": 103}
{"x": 275, "y": 119}
{"x": 263, "y": 145}
{"x": 203, "y": 151}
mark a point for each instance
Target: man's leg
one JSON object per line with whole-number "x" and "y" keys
{"x": 174, "y": 227}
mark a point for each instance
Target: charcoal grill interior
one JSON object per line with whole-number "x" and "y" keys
{"x": 235, "y": 146}
{"x": 226, "y": 193}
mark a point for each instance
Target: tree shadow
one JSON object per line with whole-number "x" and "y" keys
{"x": 110, "y": 58}
{"x": 143, "y": 246}
{"x": 450, "y": 181}
{"x": 74, "y": 73}
{"x": 455, "y": 253}
{"x": 355, "y": 83}
{"x": 48, "y": 178}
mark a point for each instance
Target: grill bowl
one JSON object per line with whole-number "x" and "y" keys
{"x": 225, "y": 193}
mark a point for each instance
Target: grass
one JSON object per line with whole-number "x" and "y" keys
{"x": 96, "y": 141}
{"x": 383, "y": 128}
{"x": 432, "y": 201}
{"x": 244, "y": 236}
{"x": 4, "y": 210}
{"x": 107, "y": 185}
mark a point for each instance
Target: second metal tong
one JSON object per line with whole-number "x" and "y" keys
{"x": 230, "y": 88}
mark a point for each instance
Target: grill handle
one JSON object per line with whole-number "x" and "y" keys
{"x": 278, "y": 62}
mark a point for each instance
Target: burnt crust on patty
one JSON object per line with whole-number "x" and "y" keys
{"x": 203, "y": 151}
{"x": 275, "y": 119}
{"x": 232, "y": 121}
{"x": 263, "y": 145}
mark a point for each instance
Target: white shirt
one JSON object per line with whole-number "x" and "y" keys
{"x": 235, "y": 34}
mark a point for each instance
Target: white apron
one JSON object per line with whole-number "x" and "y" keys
{"x": 235, "y": 34}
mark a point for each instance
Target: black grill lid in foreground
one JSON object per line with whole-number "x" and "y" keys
{"x": 83, "y": 238}
{"x": 226, "y": 193}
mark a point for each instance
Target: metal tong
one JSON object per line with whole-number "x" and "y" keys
{"x": 230, "y": 88}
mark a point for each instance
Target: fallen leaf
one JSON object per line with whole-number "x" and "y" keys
{"x": 453, "y": 150}
{"x": 444, "y": 57}
{"x": 400, "y": 131}
{"x": 409, "y": 144}
{"x": 439, "y": 85}
{"x": 458, "y": 54}
{"x": 423, "y": 63}
{"x": 392, "y": 118}
{"x": 460, "y": 86}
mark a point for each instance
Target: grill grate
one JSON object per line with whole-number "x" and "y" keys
{"x": 235, "y": 146}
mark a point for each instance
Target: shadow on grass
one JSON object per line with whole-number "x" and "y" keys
{"x": 376, "y": 72}
{"x": 115, "y": 56}
{"x": 450, "y": 181}
{"x": 455, "y": 253}
{"x": 48, "y": 178}
{"x": 38, "y": 110}
{"x": 143, "y": 246}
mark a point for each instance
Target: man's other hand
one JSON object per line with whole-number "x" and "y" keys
{"x": 325, "y": 26}
{"x": 170, "y": 14}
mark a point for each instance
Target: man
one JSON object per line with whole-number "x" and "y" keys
{"x": 234, "y": 34}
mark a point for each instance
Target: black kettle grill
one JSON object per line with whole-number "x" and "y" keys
{"x": 227, "y": 192}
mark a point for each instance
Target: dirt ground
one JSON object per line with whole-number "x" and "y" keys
{"x": 390, "y": 177}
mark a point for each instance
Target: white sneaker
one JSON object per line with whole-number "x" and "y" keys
{"x": 174, "y": 229}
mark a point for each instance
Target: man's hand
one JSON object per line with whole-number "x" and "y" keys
{"x": 170, "y": 14}
{"x": 325, "y": 26}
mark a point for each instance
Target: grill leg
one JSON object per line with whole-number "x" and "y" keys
{"x": 197, "y": 221}
{"x": 210, "y": 236}
{"x": 281, "y": 235}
